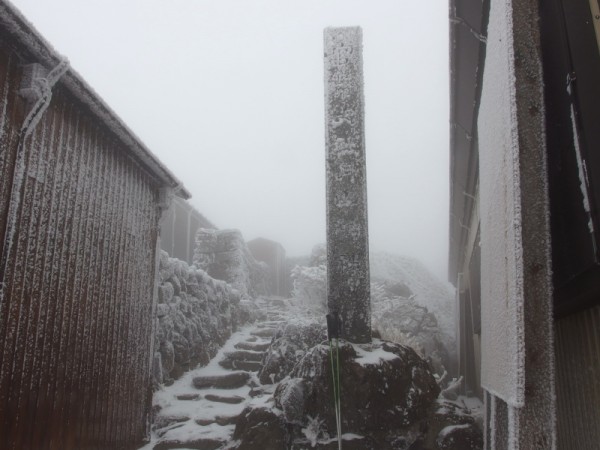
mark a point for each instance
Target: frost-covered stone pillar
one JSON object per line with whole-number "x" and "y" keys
{"x": 348, "y": 285}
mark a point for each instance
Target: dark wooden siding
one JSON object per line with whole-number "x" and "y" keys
{"x": 577, "y": 341}
{"x": 76, "y": 305}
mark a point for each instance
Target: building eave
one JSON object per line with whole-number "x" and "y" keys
{"x": 468, "y": 29}
{"x": 34, "y": 45}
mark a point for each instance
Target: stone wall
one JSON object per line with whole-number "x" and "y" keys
{"x": 195, "y": 315}
{"x": 224, "y": 255}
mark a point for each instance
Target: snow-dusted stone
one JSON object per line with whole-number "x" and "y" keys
{"x": 350, "y": 442}
{"x": 254, "y": 346}
{"x": 196, "y": 444}
{"x": 232, "y": 399}
{"x": 264, "y": 332}
{"x": 224, "y": 255}
{"x": 166, "y": 268}
{"x": 448, "y": 415}
{"x": 195, "y": 316}
{"x": 165, "y": 421}
{"x": 460, "y": 437}
{"x": 228, "y": 381}
{"x": 289, "y": 344}
{"x": 289, "y": 397}
{"x": 165, "y": 292}
{"x": 250, "y": 366}
{"x": 386, "y": 391}
{"x": 162, "y": 310}
{"x": 176, "y": 283}
{"x": 347, "y": 232}
{"x": 403, "y": 320}
{"x": 261, "y": 428}
{"x": 398, "y": 289}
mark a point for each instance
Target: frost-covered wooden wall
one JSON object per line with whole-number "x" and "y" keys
{"x": 79, "y": 217}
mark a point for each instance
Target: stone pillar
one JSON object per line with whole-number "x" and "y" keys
{"x": 348, "y": 284}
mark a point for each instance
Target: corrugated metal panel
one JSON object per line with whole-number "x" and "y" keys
{"x": 75, "y": 317}
{"x": 578, "y": 380}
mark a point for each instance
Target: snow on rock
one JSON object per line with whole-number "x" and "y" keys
{"x": 465, "y": 436}
{"x": 261, "y": 428}
{"x": 195, "y": 315}
{"x": 401, "y": 319}
{"x": 428, "y": 291}
{"x": 408, "y": 304}
{"x": 224, "y": 255}
{"x": 386, "y": 390}
{"x": 383, "y": 385}
{"x": 289, "y": 344}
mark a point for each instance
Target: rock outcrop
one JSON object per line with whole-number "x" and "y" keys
{"x": 387, "y": 391}
{"x": 399, "y": 318}
{"x": 290, "y": 343}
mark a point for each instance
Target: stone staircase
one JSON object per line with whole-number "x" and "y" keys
{"x": 200, "y": 410}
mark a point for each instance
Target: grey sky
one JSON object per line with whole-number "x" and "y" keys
{"x": 229, "y": 94}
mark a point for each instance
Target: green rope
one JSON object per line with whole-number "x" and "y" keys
{"x": 335, "y": 374}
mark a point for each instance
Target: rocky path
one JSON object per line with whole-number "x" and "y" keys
{"x": 199, "y": 411}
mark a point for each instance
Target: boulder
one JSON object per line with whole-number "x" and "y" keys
{"x": 389, "y": 401}
{"x": 261, "y": 428}
{"x": 289, "y": 344}
{"x": 460, "y": 437}
{"x": 398, "y": 289}
{"x": 451, "y": 426}
{"x": 384, "y": 387}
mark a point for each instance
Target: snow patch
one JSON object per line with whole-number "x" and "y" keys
{"x": 373, "y": 356}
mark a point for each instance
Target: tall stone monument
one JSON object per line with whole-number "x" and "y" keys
{"x": 348, "y": 283}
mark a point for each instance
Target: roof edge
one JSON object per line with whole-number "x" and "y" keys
{"x": 17, "y": 26}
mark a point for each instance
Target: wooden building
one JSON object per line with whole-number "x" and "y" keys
{"x": 525, "y": 216}
{"x": 80, "y": 202}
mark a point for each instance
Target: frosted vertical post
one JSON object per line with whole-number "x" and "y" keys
{"x": 348, "y": 284}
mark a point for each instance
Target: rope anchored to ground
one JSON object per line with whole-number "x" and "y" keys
{"x": 333, "y": 332}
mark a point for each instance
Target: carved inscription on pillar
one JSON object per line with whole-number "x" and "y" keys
{"x": 348, "y": 283}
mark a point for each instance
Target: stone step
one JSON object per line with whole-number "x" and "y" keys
{"x": 161, "y": 432}
{"x": 219, "y": 420}
{"x": 250, "y": 366}
{"x": 195, "y": 444}
{"x": 188, "y": 397}
{"x": 226, "y": 381}
{"x": 276, "y": 317}
{"x": 263, "y": 332}
{"x": 245, "y": 355}
{"x": 167, "y": 421}
{"x": 254, "y": 346}
{"x": 233, "y": 400}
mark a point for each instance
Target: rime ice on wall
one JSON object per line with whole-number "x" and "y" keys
{"x": 195, "y": 315}
{"x": 347, "y": 233}
{"x": 224, "y": 255}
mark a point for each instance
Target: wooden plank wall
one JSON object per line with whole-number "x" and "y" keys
{"x": 76, "y": 307}
{"x": 577, "y": 343}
